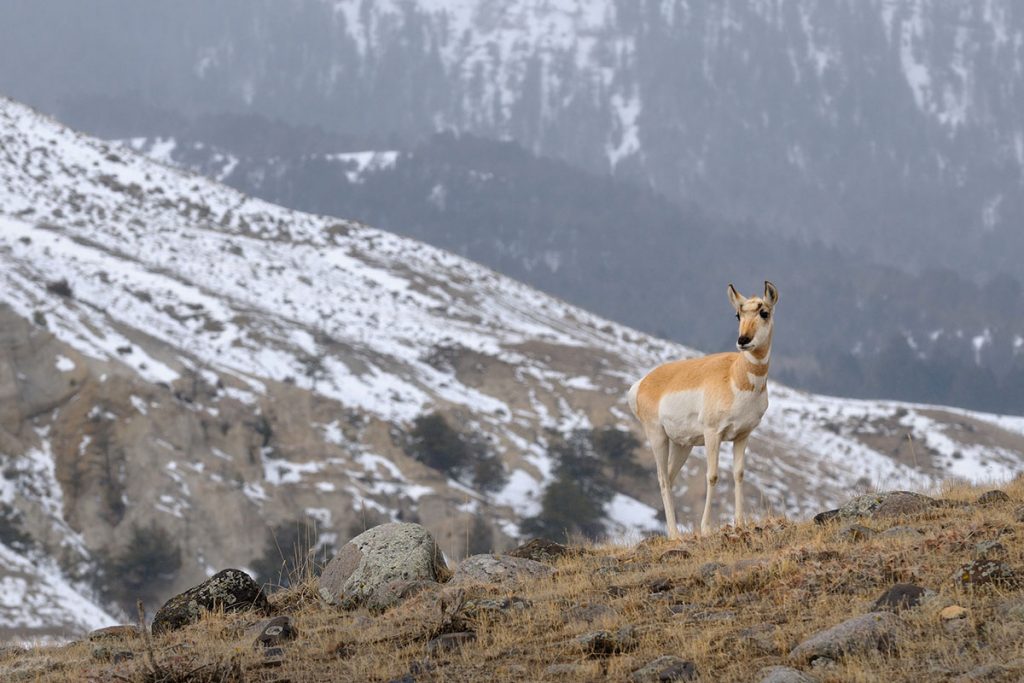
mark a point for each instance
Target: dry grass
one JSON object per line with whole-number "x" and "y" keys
{"x": 792, "y": 580}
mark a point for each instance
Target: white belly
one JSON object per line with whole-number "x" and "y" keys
{"x": 685, "y": 418}
{"x": 680, "y": 415}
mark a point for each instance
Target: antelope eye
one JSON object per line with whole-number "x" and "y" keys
{"x": 764, "y": 314}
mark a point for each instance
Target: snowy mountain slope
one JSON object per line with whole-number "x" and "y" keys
{"x": 888, "y": 125}
{"x": 177, "y": 354}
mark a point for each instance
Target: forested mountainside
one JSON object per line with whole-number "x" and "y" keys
{"x": 888, "y": 126}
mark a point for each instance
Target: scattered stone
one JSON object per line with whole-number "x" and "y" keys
{"x": 674, "y": 555}
{"x": 826, "y": 517}
{"x": 499, "y": 569}
{"x": 824, "y": 663}
{"x": 906, "y": 532}
{"x": 978, "y": 573}
{"x": 871, "y": 631}
{"x": 540, "y": 550}
{"x": 605, "y": 643}
{"x": 231, "y": 590}
{"x": 450, "y": 641}
{"x": 709, "y": 571}
{"x": 365, "y": 569}
{"x": 953, "y": 612}
{"x": 886, "y": 504}
{"x": 784, "y": 674}
{"x": 276, "y": 632}
{"x": 1013, "y": 609}
{"x": 124, "y": 632}
{"x": 665, "y": 668}
{"x": 589, "y": 613}
{"x": 856, "y": 532}
{"x": 273, "y": 656}
{"x": 660, "y": 586}
{"x": 114, "y": 655}
{"x": 758, "y": 639}
{"x": 993, "y": 497}
{"x": 900, "y": 597}
{"x": 474, "y": 608}
{"x": 986, "y": 550}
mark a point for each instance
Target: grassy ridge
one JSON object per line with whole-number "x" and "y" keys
{"x": 732, "y": 603}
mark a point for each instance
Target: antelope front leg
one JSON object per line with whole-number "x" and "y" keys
{"x": 711, "y": 443}
{"x": 739, "y": 452}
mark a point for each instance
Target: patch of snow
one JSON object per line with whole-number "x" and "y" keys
{"x": 65, "y": 364}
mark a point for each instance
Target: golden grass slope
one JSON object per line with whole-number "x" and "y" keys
{"x": 733, "y": 603}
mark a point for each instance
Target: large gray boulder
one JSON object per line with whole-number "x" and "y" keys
{"x": 376, "y": 567}
{"x": 501, "y": 569}
{"x": 871, "y": 631}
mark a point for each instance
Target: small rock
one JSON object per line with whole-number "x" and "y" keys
{"x": 953, "y": 612}
{"x": 900, "y": 597}
{"x": 111, "y": 654}
{"x": 978, "y": 573}
{"x": 499, "y": 569}
{"x": 231, "y": 590}
{"x": 784, "y": 674}
{"x": 474, "y": 608}
{"x": 824, "y": 663}
{"x": 450, "y": 641}
{"x": 605, "y": 643}
{"x": 709, "y": 571}
{"x": 905, "y": 532}
{"x": 856, "y": 532}
{"x": 616, "y": 591}
{"x": 275, "y": 632}
{"x": 886, "y": 504}
{"x": 758, "y": 639}
{"x": 660, "y": 586}
{"x": 674, "y": 555}
{"x": 871, "y": 631}
{"x": 1013, "y": 609}
{"x": 986, "y": 550}
{"x": 273, "y": 656}
{"x": 589, "y": 613}
{"x": 125, "y": 632}
{"x": 665, "y": 668}
{"x": 540, "y": 550}
{"x": 826, "y": 517}
{"x": 993, "y": 497}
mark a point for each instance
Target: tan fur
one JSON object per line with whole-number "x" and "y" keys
{"x": 704, "y": 401}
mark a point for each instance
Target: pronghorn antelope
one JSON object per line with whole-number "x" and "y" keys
{"x": 705, "y": 401}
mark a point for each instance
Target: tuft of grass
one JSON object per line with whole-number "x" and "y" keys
{"x": 733, "y": 603}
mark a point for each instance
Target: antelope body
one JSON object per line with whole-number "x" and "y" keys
{"x": 705, "y": 401}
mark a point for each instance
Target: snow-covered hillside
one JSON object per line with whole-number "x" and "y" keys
{"x": 180, "y": 355}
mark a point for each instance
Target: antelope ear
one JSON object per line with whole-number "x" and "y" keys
{"x": 771, "y": 293}
{"x": 735, "y": 298}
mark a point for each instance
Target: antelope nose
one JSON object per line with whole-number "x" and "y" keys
{"x": 743, "y": 341}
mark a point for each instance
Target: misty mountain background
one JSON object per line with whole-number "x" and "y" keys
{"x": 630, "y": 157}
